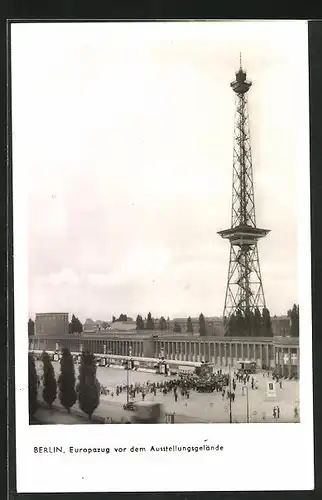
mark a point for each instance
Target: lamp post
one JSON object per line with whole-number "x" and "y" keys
{"x": 128, "y": 375}
{"x": 161, "y": 361}
{"x": 247, "y": 405}
{"x": 230, "y": 412}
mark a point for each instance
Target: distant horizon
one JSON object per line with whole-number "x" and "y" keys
{"x": 172, "y": 318}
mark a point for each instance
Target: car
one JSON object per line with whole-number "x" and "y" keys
{"x": 148, "y": 412}
{"x": 129, "y": 406}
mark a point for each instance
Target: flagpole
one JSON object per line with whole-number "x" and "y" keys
{"x": 128, "y": 376}
{"x": 230, "y": 413}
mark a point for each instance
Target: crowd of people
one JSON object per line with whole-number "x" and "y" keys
{"x": 182, "y": 386}
{"x": 218, "y": 382}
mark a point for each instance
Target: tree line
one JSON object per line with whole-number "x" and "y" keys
{"x": 249, "y": 324}
{"x": 254, "y": 324}
{"x": 164, "y": 324}
{"x": 86, "y": 391}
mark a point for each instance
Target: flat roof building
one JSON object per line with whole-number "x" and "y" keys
{"x": 54, "y": 323}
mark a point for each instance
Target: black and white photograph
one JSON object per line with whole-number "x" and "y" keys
{"x": 162, "y": 227}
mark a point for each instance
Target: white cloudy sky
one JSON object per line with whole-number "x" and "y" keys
{"x": 125, "y": 131}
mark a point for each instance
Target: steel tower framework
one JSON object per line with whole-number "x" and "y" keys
{"x": 244, "y": 290}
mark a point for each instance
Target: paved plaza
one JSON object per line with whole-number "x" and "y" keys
{"x": 200, "y": 407}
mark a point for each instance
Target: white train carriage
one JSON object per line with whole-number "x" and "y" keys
{"x": 164, "y": 366}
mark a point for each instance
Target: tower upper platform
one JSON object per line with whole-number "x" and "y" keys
{"x": 241, "y": 85}
{"x": 243, "y": 234}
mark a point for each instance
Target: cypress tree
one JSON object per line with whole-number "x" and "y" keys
{"x": 50, "y": 385}
{"x": 88, "y": 387}
{"x": 267, "y": 323}
{"x": 66, "y": 380}
{"x": 75, "y": 325}
{"x": 32, "y": 385}
{"x": 240, "y": 324}
{"x": 257, "y": 323}
{"x": 202, "y": 326}
{"x": 295, "y": 320}
{"x": 149, "y": 322}
{"x": 189, "y": 325}
{"x": 139, "y": 322}
{"x": 249, "y": 323}
{"x": 162, "y": 323}
{"x": 31, "y": 328}
{"x": 230, "y": 325}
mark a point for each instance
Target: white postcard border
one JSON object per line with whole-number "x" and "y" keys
{"x": 255, "y": 457}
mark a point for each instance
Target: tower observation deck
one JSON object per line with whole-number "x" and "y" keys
{"x": 244, "y": 290}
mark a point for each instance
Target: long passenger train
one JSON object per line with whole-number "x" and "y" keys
{"x": 153, "y": 365}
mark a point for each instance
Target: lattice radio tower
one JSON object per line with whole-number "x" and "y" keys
{"x": 244, "y": 284}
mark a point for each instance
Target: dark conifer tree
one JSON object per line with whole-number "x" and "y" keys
{"x": 50, "y": 385}
{"x": 149, "y": 322}
{"x": 189, "y": 325}
{"x": 162, "y": 324}
{"x": 249, "y": 323}
{"x": 75, "y": 326}
{"x": 31, "y": 328}
{"x": 294, "y": 315}
{"x": 240, "y": 324}
{"x": 32, "y": 386}
{"x": 66, "y": 380}
{"x": 88, "y": 387}
{"x": 230, "y": 325}
{"x": 139, "y": 322}
{"x": 202, "y": 326}
{"x": 257, "y": 323}
{"x": 266, "y": 323}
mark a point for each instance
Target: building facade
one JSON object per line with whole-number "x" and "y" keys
{"x": 280, "y": 354}
{"x": 51, "y": 324}
{"x": 281, "y": 326}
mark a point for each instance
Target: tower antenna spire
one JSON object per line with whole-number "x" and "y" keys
{"x": 240, "y": 60}
{"x": 244, "y": 291}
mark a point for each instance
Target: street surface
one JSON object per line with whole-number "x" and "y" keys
{"x": 200, "y": 407}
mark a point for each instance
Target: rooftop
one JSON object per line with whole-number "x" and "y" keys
{"x": 51, "y": 313}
